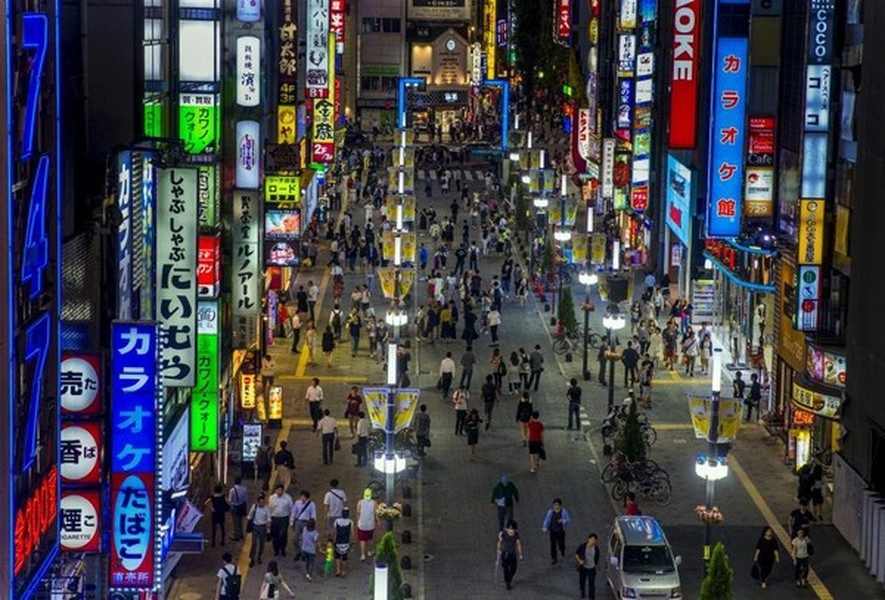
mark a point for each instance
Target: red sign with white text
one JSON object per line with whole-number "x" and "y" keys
{"x": 639, "y": 200}
{"x": 684, "y": 83}
{"x": 336, "y": 23}
{"x": 81, "y": 521}
{"x": 564, "y": 22}
{"x": 209, "y": 266}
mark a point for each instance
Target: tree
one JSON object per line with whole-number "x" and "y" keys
{"x": 632, "y": 443}
{"x": 385, "y": 554}
{"x": 547, "y": 262}
{"x": 521, "y": 208}
{"x": 566, "y": 311}
{"x": 717, "y": 583}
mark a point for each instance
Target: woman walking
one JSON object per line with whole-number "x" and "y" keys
{"x": 513, "y": 378}
{"x": 366, "y": 521}
{"x": 801, "y": 553}
{"x": 535, "y": 437}
{"x": 343, "y": 536}
{"x": 310, "y": 342}
{"x": 524, "y": 410}
{"x": 498, "y": 368}
{"x": 509, "y": 547}
{"x": 471, "y": 426}
{"x": 689, "y": 351}
{"x": 273, "y": 581}
{"x": 220, "y": 508}
{"x": 328, "y": 345}
{"x": 767, "y": 553}
{"x": 352, "y": 411}
{"x": 309, "y": 539}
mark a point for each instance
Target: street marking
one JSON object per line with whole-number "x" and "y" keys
{"x": 816, "y": 584}
{"x": 673, "y": 426}
{"x": 468, "y": 176}
{"x": 317, "y": 311}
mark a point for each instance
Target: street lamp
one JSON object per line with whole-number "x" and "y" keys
{"x": 613, "y": 320}
{"x": 389, "y": 461}
{"x": 712, "y": 467}
{"x": 562, "y": 235}
{"x": 587, "y": 279}
{"x": 540, "y": 202}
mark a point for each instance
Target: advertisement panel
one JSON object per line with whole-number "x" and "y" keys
{"x": 81, "y": 521}
{"x": 124, "y": 235}
{"x": 176, "y": 466}
{"x": 760, "y": 144}
{"x": 246, "y": 268}
{"x": 627, "y": 15}
{"x": 808, "y": 297}
{"x": 790, "y": 342}
{"x": 248, "y": 147}
{"x": 826, "y": 365}
{"x": 282, "y": 188}
{"x": 199, "y": 117}
{"x": 727, "y": 138}
{"x": 134, "y": 395}
{"x": 759, "y": 192}
{"x": 680, "y": 197}
{"x": 563, "y": 20}
{"x": 252, "y": 433}
{"x": 814, "y": 165}
{"x": 281, "y": 222}
{"x": 818, "y": 96}
{"x": 81, "y": 452}
{"x": 608, "y": 168}
{"x": 439, "y": 10}
{"x": 209, "y": 266}
{"x": 248, "y": 75}
{"x": 825, "y": 405}
{"x": 811, "y": 232}
{"x": 207, "y": 195}
{"x": 626, "y": 55}
{"x": 204, "y": 397}
{"x": 249, "y": 11}
{"x": 80, "y": 389}
{"x": 317, "y": 78}
{"x": 248, "y": 387}
{"x": 684, "y": 81}
{"x": 625, "y": 108}
{"x": 176, "y": 285}
{"x": 489, "y": 14}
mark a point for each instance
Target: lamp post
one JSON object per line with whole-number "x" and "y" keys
{"x": 711, "y": 467}
{"x": 540, "y": 203}
{"x": 561, "y": 235}
{"x": 389, "y": 462}
{"x": 587, "y": 279}
{"x": 612, "y": 321}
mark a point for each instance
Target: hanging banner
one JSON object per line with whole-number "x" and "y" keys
{"x": 134, "y": 400}
{"x": 405, "y": 401}
{"x": 597, "y": 248}
{"x": 80, "y": 389}
{"x": 554, "y": 210}
{"x": 579, "y": 249}
{"x": 248, "y": 75}
{"x": 246, "y": 269}
{"x": 387, "y": 280}
{"x": 317, "y": 51}
{"x": 408, "y": 246}
{"x": 409, "y": 208}
{"x": 204, "y": 397}
{"x": 408, "y": 179}
{"x": 700, "y": 408}
{"x": 81, "y": 521}
{"x": 252, "y": 434}
{"x": 176, "y": 286}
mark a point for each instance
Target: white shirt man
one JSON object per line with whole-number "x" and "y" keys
{"x": 328, "y": 425}
{"x": 447, "y": 365}
{"x": 280, "y": 504}
{"x": 334, "y": 502}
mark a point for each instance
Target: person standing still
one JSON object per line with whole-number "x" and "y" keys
{"x": 280, "y": 506}
{"x": 574, "y": 404}
{"x": 509, "y": 547}
{"x": 505, "y": 496}
{"x": 630, "y": 358}
{"x": 459, "y": 401}
{"x": 536, "y": 363}
{"x": 296, "y": 332}
{"x": 422, "y": 429}
{"x": 237, "y": 497}
{"x": 754, "y": 397}
{"x": 285, "y": 462}
{"x": 328, "y": 427}
{"x": 264, "y": 463}
{"x": 555, "y": 522}
{"x": 313, "y": 295}
{"x": 587, "y": 557}
{"x": 259, "y": 524}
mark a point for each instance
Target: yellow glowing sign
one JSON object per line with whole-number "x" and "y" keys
{"x": 811, "y": 232}
{"x": 247, "y": 391}
{"x": 275, "y": 403}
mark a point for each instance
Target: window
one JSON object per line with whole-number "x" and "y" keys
{"x": 390, "y": 25}
{"x": 389, "y": 84}
{"x": 382, "y": 25}
{"x": 370, "y": 84}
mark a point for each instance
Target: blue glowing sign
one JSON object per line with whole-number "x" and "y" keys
{"x": 37, "y": 341}
{"x": 680, "y": 197}
{"x": 729, "y": 103}
{"x": 35, "y": 37}
{"x": 124, "y": 236}
{"x": 134, "y": 361}
{"x": 35, "y": 256}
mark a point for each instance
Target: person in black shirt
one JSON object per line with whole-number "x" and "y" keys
{"x": 754, "y": 397}
{"x": 739, "y": 385}
{"x": 489, "y": 398}
{"x": 630, "y": 358}
{"x": 574, "y": 403}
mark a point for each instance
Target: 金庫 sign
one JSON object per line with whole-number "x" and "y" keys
{"x": 204, "y": 397}
{"x": 246, "y": 268}
{"x": 727, "y": 131}
{"x": 248, "y": 71}
{"x": 684, "y": 83}
{"x": 811, "y": 232}
{"x": 80, "y": 384}
{"x": 317, "y": 51}
{"x": 176, "y": 285}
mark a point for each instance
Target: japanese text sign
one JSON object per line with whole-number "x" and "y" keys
{"x": 80, "y": 449}
{"x": 81, "y": 521}
{"x": 176, "y": 285}
{"x": 684, "y": 81}
{"x": 287, "y": 60}
{"x": 248, "y": 71}
{"x": 336, "y": 23}
{"x": 207, "y": 195}
{"x": 80, "y": 384}
{"x": 811, "y": 232}
{"x": 248, "y": 148}
{"x": 246, "y": 268}
{"x": 134, "y": 384}
{"x": 727, "y": 138}
{"x": 204, "y": 397}
{"x": 209, "y": 266}
{"x": 317, "y": 53}
{"x": 198, "y": 120}
{"x": 132, "y": 531}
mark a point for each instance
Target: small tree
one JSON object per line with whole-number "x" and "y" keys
{"x": 547, "y": 262}
{"x": 521, "y": 208}
{"x": 385, "y": 554}
{"x": 566, "y": 311}
{"x": 717, "y": 583}
{"x": 632, "y": 443}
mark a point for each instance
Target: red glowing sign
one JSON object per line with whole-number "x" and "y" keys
{"x": 684, "y": 83}
{"x": 336, "y": 22}
{"x": 564, "y": 22}
{"x": 639, "y": 198}
{"x": 35, "y": 518}
{"x": 209, "y": 266}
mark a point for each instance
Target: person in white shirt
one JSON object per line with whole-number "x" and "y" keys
{"x": 362, "y": 435}
{"x": 304, "y": 510}
{"x": 459, "y": 400}
{"x": 494, "y": 320}
{"x": 237, "y": 497}
{"x": 334, "y": 501}
{"x": 446, "y": 374}
{"x": 328, "y": 427}
{"x": 229, "y": 569}
{"x": 280, "y": 506}
{"x": 313, "y": 295}
{"x": 259, "y": 523}
{"x": 366, "y": 521}
{"x": 313, "y": 398}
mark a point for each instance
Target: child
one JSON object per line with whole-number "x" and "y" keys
{"x": 329, "y": 550}
{"x": 309, "y": 548}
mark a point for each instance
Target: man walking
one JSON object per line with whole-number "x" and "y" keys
{"x": 313, "y": 398}
{"x": 446, "y": 374}
{"x": 229, "y": 579}
{"x": 459, "y": 401}
{"x": 467, "y": 362}
{"x": 280, "y": 505}
{"x": 285, "y": 462}
{"x": 422, "y": 430}
{"x": 334, "y": 501}
{"x": 555, "y": 522}
{"x": 536, "y": 363}
{"x": 574, "y": 403}
{"x": 630, "y": 358}
{"x": 259, "y": 521}
{"x": 237, "y": 497}
{"x": 303, "y": 511}
{"x": 602, "y": 358}
{"x": 505, "y": 495}
{"x": 328, "y": 427}
{"x": 587, "y": 557}
{"x": 489, "y": 398}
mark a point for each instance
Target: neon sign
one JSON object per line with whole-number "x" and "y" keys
{"x": 35, "y": 518}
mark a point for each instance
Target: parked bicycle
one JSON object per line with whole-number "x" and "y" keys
{"x": 573, "y": 342}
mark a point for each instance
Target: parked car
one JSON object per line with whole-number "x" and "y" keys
{"x": 640, "y": 561}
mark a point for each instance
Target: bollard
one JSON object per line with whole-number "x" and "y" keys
{"x": 406, "y": 537}
{"x": 406, "y": 590}
{"x": 407, "y": 510}
{"x": 405, "y": 563}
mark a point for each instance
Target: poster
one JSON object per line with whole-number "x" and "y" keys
{"x": 730, "y": 411}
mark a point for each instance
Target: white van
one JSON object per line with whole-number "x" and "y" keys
{"x": 640, "y": 562}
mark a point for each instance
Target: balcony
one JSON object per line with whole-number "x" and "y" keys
{"x": 824, "y": 321}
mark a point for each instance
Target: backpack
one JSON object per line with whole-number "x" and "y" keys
{"x": 336, "y": 319}
{"x": 232, "y": 584}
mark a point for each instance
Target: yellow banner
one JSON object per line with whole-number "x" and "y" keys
{"x": 406, "y": 403}
{"x": 393, "y": 174}
{"x": 534, "y": 181}
{"x": 376, "y": 406}
{"x": 247, "y": 391}
{"x": 262, "y": 411}
{"x": 286, "y": 124}
{"x": 811, "y": 232}
{"x": 490, "y": 9}
{"x": 597, "y": 248}
{"x": 404, "y": 156}
{"x": 409, "y": 208}
{"x": 535, "y": 159}
{"x": 409, "y": 246}
{"x": 729, "y": 417}
{"x": 554, "y": 209}
{"x": 579, "y": 249}
{"x": 387, "y": 279}
{"x": 275, "y": 401}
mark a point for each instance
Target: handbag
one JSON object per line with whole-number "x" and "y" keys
{"x": 543, "y": 453}
{"x": 337, "y": 444}
{"x": 755, "y": 572}
{"x": 439, "y": 384}
{"x": 354, "y": 448}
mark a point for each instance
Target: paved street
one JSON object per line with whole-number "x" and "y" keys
{"x": 454, "y": 524}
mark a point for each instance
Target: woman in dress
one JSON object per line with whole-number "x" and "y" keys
{"x": 524, "y": 410}
{"x": 352, "y": 411}
{"x": 366, "y": 521}
{"x": 767, "y": 553}
{"x": 513, "y": 379}
{"x": 273, "y": 581}
{"x": 310, "y": 342}
{"x": 471, "y": 426}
